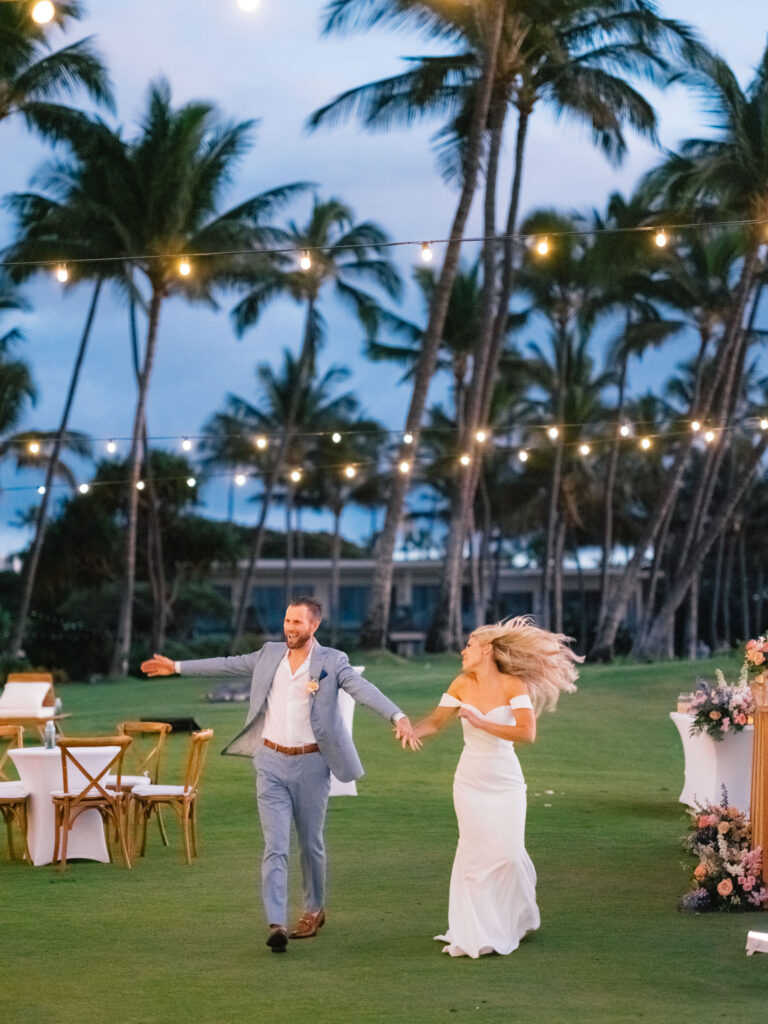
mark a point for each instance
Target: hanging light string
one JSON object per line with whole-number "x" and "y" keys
{"x": 541, "y": 240}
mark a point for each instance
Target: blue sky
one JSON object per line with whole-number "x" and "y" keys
{"x": 273, "y": 65}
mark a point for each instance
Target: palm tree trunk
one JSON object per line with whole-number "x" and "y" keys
{"x": 744, "y": 584}
{"x": 558, "y": 576}
{"x": 122, "y": 649}
{"x": 610, "y": 489}
{"x": 727, "y": 596}
{"x": 289, "y": 494}
{"x": 376, "y": 626}
{"x": 692, "y": 622}
{"x": 714, "y": 626}
{"x": 32, "y": 560}
{"x": 335, "y": 566}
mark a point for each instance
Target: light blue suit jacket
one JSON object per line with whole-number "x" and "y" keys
{"x": 331, "y": 670}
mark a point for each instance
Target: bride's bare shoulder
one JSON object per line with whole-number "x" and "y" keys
{"x": 515, "y": 687}
{"x": 459, "y": 686}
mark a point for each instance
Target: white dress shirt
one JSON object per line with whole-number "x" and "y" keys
{"x": 287, "y": 718}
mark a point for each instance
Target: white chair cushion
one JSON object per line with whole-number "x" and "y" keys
{"x": 126, "y": 780}
{"x": 150, "y": 790}
{"x": 13, "y": 791}
{"x": 93, "y": 794}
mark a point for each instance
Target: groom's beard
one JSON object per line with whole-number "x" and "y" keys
{"x": 297, "y": 640}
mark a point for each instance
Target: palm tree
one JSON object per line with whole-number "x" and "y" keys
{"x": 286, "y": 400}
{"x": 32, "y": 75}
{"x": 565, "y": 54}
{"x": 343, "y": 254}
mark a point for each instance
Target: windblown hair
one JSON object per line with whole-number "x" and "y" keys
{"x": 543, "y": 660}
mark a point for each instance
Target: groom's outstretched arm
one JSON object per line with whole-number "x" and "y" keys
{"x": 237, "y": 665}
{"x": 364, "y": 692}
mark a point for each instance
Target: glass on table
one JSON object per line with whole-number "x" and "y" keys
{"x": 684, "y": 701}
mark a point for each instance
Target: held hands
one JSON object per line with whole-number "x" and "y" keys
{"x": 405, "y": 733}
{"x": 158, "y": 665}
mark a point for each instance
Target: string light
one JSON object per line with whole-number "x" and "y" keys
{"x": 660, "y": 238}
{"x": 41, "y": 489}
{"x": 261, "y": 443}
{"x": 764, "y": 424}
{"x": 481, "y": 436}
{"x": 295, "y": 475}
{"x": 336, "y": 437}
{"x": 624, "y": 430}
{"x": 695, "y": 426}
{"x": 62, "y": 274}
{"x": 43, "y": 12}
{"x": 248, "y": 5}
{"x": 584, "y": 449}
{"x": 240, "y": 479}
{"x": 140, "y": 485}
{"x": 350, "y": 472}
{"x": 542, "y": 246}
{"x": 408, "y": 438}
{"x": 191, "y": 481}
{"x": 426, "y": 252}
{"x": 645, "y": 443}
{"x": 709, "y": 436}
{"x": 553, "y": 433}
{"x": 306, "y": 261}
{"x": 185, "y": 267}
{"x": 186, "y": 444}
{"x": 404, "y": 467}
{"x": 111, "y": 447}
{"x": 465, "y": 460}
{"x": 83, "y": 488}
{"x": 34, "y": 447}
{"x": 522, "y": 455}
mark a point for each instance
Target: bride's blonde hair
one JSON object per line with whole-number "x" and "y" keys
{"x": 541, "y": 659}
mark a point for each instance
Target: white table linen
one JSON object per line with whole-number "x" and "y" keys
{"x": 40, "y": 771}
{"x": 711, "y": 764}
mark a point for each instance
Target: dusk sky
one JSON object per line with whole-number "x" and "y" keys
{"x": 273, "y": 65}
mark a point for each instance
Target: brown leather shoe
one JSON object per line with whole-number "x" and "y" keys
{"x": 308, "y": 925}
{"x": 277, "y": 939}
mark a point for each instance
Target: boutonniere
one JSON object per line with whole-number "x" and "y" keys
{"x": 312, "y": 686}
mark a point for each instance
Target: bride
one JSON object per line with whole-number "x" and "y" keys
{"x": 510, "y": 673}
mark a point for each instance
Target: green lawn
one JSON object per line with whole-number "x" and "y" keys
{"x": 166, "y": 942}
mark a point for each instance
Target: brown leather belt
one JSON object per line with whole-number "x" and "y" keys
{"x": 308, "y": 748}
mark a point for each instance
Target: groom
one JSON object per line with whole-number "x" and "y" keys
{"x": 296, "y": 737}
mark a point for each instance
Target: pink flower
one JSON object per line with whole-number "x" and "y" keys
{"x": 725, "y": 725}
{"x": 748, "y": 884}
{"x": 725, "y": 888}
{"x": 703, "y": 821}
{"x": 751, "y": 645}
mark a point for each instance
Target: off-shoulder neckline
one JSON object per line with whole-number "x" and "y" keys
{"x": 491, "y": 710}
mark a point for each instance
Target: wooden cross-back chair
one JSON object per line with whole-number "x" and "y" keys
{"x": 89, "y": 792}
{"x": 144, "y": 757}
{"x": 148, "y": 799}
{"x": 14, "y": 796}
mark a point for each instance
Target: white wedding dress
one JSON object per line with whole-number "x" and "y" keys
{"x": 492, "y": 902}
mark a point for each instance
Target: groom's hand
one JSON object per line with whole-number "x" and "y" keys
{"x": 158, "y": 665}
{"x": 404, "y": 732}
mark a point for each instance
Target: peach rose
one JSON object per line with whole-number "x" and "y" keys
{"x": 700, "y": 872}
{"x": 751, "y": 645}
{"x": 725, "y": 888}
{"x": 703, "y": 821}
{"x": 724, "y": 827}
{"x": 715, "y": 715}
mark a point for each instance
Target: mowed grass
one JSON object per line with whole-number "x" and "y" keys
{"x": 166, "y": 942}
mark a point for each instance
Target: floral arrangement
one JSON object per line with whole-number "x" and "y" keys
{"x": 755, "y": 654}
{"x": 722, "y": 708}
{"x": 728, "y": 875}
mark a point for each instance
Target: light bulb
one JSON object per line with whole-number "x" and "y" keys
{"x": 83, "y": 488}
{"x": 336, "y": 437}
{"x": 41, "y": 489}
{"x": 465, "y": 460}
{"x": 34, "y": 447}
{"x": 240, "y": 479}
{"x": 584, "y": 449}
{"x": 185, "y": 267}
{"x": 62, "y": 274}
{"x": 404, "y": 467}
{"x": 191, "y": 481}
{"x": 553, "y": 433}
{"x": 306, "y": 261}
{"x": 186, "y": 444}
{"x": 660, "y": 238}
{"x": 695, "y": 426}
{"x": 111, "y": 447}
{"x": 645, "y": 443}
{"x": 350, "y": 472}
{"x": 261, "y": 442}
{"x": 426, "y": 252}
{"x": 709, "y": 436}
{"x": 542, "y": 246}
{"x": 522, "y": 455}
{"x": 43, "y": 12}
{"x": 481, "y": 436}
{"x": 296, "y": 475}
{"x": 408, "y": 438}
{"x": 624, "y": 430}
{"x": 764, "y": 424}
{"x": 140, "y": 485}
{"x": 248, "y": 5}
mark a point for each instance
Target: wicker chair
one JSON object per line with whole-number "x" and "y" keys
{"x": 14, "y": 797}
